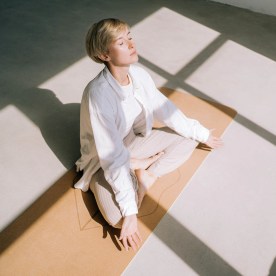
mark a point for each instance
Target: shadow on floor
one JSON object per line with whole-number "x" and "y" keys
{"x": 272, "y": 271}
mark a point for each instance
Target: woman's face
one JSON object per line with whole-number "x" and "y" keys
{"x": 122, "y": 51}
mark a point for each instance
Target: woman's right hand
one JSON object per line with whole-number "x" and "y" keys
{"x": 130, "y": 235}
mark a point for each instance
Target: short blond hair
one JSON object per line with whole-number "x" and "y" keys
{"x": 100, "y": 36}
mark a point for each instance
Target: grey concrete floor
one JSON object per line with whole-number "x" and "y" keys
{"x": 224, "y": 222}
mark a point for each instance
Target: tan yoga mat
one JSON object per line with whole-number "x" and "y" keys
{"x": 63, "y": 233}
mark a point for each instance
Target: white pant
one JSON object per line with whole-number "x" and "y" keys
{"x": 176, "y": 148}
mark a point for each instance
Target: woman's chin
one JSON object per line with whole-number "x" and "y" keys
{"x": 135, "y": 59}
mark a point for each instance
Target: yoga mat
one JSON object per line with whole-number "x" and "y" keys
{"x": 63, "y": 233}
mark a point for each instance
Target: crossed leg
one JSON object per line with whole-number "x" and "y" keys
{"x": 168, "y": 150}
{"x": 150, "y": 157}
{"x": 145, "y": 178}
{"x": 105, "y": 197}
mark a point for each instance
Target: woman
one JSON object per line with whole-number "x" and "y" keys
{"x": 119, "y": 147}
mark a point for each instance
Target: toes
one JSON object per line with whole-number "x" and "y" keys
{"x": 140, "y": 199}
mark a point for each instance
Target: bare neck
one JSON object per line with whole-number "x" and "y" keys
{"x": 119, "y": 73}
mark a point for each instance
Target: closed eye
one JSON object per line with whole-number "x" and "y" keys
{"x": 121, "y": 41}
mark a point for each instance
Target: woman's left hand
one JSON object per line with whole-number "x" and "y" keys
{"x": 213, "y": 141}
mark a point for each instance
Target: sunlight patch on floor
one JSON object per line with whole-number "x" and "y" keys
{"x": 170, "y": 40}
{"x": 68, "y": 85}
{"x": 24, "y": 183}
{"x": 237, "y": 76}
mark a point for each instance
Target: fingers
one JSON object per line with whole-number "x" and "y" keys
{"x": 132, "y": 241}
{"x": 124, "y": 240}
{"x": 215, "y": 145}
{"x": 135, "y": 240}
{"x": 139, "y": 236}
{"x": 217, "y": 142}
{"x": 214, "y": 142}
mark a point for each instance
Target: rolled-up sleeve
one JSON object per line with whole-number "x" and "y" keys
{"x": 113, "y": 156}
{"x": 167, "y": 113}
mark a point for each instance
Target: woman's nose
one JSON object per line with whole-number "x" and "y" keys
{"x": 130, "y": 44}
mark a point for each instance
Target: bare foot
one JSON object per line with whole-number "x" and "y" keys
{"x": 136, "y": 164}
{"x": 145, "y": 181}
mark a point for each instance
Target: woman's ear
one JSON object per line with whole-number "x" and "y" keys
{"x": 104, "y": 57}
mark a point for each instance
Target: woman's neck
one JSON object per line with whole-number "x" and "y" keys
{"x": 120, "y": 74}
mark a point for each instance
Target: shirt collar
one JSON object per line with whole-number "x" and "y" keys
{"x": 114, "y": 84}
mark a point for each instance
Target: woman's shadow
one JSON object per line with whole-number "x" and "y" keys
{"x": 95, "y": 214}
{"x": 58, "y": 122}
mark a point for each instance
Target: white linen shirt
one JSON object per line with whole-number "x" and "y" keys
{"x": 106, "y": 118}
